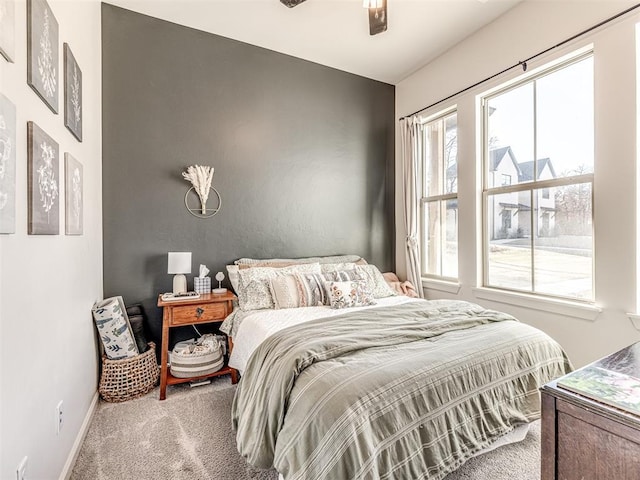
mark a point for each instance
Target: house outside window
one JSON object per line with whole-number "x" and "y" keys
{"x": 538, "y": 228}
{"x": 439, "y": 202}
{"x": 506, "y": 180}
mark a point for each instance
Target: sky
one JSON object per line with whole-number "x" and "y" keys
{"x": 564, "y": 102}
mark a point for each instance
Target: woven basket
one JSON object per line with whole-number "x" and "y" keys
{"x": 129, "y": 378}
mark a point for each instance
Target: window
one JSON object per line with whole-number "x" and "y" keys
{"x": 439, "y": 203}
{"x": 506, "y": 179}
{"x": 538, "y": 227}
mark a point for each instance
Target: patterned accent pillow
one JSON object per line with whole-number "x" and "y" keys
{"x": 349, "y": 294}
{"x": 254, "y": 286}
{"x": 299, "y": 290}
{"x": 114, "y": 329}
{"x": 375, "y": 281}
{"x": 284, "y": 290}
{"x": 311, "y": 288}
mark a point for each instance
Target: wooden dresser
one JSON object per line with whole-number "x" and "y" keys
{"x": 583, "y": 439}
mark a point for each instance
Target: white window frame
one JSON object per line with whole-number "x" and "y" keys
{"x": 425, "y": 200}
{"x": 531, "y": 186}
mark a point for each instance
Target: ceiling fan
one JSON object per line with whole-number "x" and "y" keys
{"x": 377, "y": 13}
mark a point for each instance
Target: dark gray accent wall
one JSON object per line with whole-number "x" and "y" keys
{"x": 303, "y": 155}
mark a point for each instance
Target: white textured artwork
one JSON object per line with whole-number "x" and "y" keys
{"x": 72, "y": 94}
{"x": 44, "y": 190}
{"x": 73, "y": 186}
{"x": 42, "y": 49}
{"x": 7, "y": 165}
{"x": 7, "y": 29}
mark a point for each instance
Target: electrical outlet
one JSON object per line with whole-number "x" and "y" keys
{"x": 59, "y": 417}
{"x": 21, "y": 470}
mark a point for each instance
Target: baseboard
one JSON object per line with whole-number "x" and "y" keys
{"x": 75, "y": 449}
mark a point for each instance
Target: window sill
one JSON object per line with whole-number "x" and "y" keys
{"x": 441, "y": 285}
{"x": 567, "y": 308}
{"x": 635, "y": 320}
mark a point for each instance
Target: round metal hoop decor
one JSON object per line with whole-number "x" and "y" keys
{"x": 197, "y": 212}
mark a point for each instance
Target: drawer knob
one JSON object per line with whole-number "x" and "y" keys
{"x": 199, "y": 312}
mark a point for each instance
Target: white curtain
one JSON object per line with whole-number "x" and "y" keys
{"x": 411, "y": 154}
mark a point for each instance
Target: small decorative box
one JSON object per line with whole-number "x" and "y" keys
{"x": 202, "y": 284}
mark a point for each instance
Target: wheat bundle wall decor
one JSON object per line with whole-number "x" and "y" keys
{"x": 200, "y": 177}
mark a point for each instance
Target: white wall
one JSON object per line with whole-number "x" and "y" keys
{"x": 529, "y": 28}
{"x": 49, "y": 283}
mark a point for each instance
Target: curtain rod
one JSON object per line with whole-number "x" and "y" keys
{"x": 523, "y": 63}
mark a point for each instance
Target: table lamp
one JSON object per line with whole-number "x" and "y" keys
{"x": 179, "y": 264}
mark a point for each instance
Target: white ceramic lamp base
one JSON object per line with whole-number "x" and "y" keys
{"x": 179, "y": 283}
{"x": 219, "y": 290}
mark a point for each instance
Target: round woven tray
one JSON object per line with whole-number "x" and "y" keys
{"x": 129, "y": 378}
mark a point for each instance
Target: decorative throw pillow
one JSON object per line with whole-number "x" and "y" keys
{"x": 312, "y": 289}
{"x": 349, "y": 294}
{"x": 285, "y": 293}
{"x": 375, "y": 281}
{"x": 114, "y": 329}
{"x": 299, "y": 290}
{"x": 254, "y": 291}
{"x": 313, "y": 286}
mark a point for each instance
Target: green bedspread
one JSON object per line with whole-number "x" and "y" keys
{"x": 408, "y": 391}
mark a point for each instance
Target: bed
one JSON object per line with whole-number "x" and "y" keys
{"x": 405, "y": 388}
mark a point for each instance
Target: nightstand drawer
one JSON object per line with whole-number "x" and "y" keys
{"x": 189, "y": 314}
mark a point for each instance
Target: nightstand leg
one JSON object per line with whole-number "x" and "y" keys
{"x": 234, "y": 376}
{"x": 164, "y": 353}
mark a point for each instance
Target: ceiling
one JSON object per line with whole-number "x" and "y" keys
{"x": 336, "y": 32}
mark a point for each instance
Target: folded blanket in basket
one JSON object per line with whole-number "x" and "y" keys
{"x": 194, "y": 358}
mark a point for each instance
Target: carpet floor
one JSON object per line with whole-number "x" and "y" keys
{"x": 188, "y": 436}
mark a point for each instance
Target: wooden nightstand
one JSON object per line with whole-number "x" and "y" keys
{"x": 208, "y": 308}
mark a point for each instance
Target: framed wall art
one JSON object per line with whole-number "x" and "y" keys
{"x": 43, "y": 182}
{"x": 42, "y": 52}
{"x": 72, "y": 94}
{"x": 8, "y": 29}
{"x": 7, "y": 166}
{"x": 73, "y": 189}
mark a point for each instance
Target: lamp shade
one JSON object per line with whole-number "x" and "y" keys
{"x": 179, "y": 262}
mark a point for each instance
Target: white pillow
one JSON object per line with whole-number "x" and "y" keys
{"x": 327, "y": 259}
{"x": 254, "y": 291}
